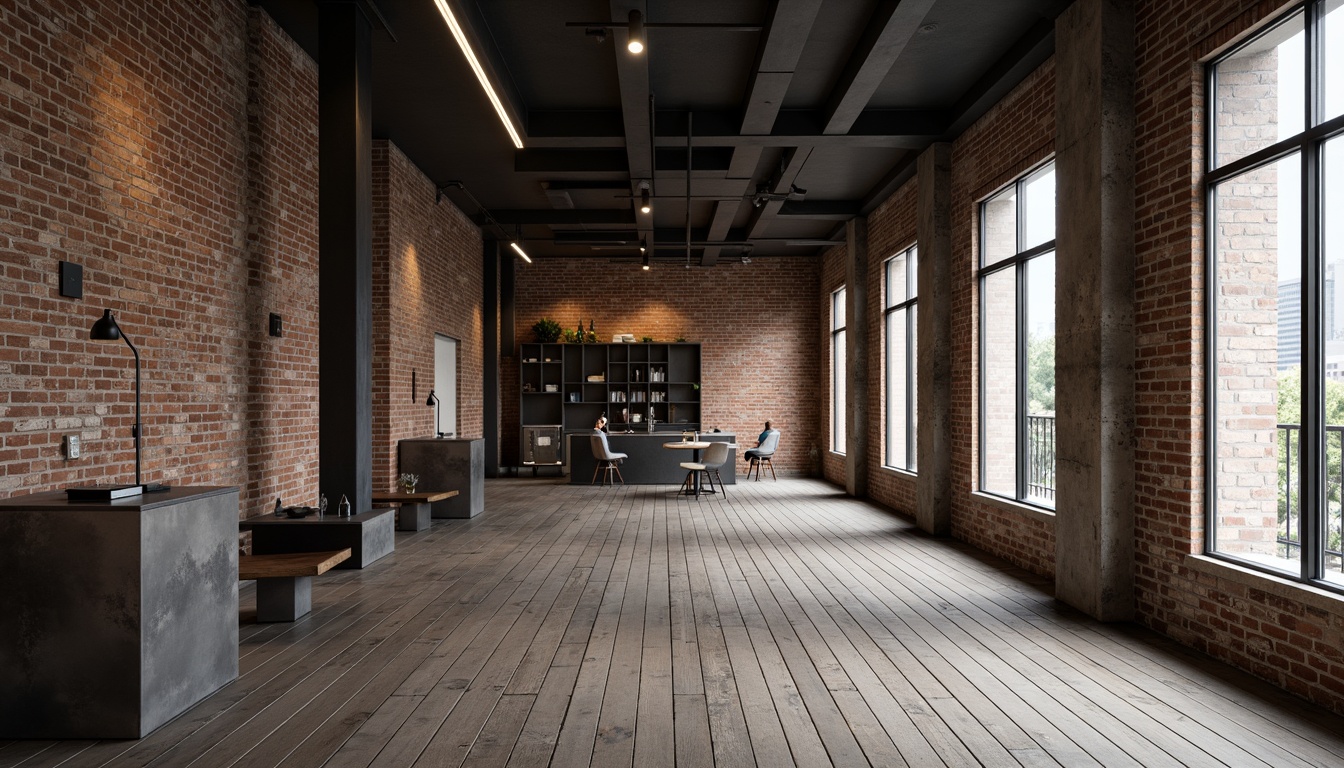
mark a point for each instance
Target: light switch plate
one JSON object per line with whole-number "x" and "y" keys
{"x": 71, "y": 446}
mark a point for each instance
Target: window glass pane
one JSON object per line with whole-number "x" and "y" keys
{"x": 896, "y": 289}
{"x": 838, "y": 309}
{"x": 912, "y": 275}
{"x": 838, "y": 387}
{"x": 1041, "y": 380}
{"x": 999, "y": 379}
{"x": 1332, "y": 63}
{"x": 896, "y": 379}
{"x": 912, "y": 431}
{"x": 1000, "y": 227}
{"x": 1257, "y": 355}
{"x": 1332, "y": 166}
{"x": 1259, "y": 93}
{"x": 1038, "y": 208}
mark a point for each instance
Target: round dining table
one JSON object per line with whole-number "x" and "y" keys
{"x": 695, "y": 446}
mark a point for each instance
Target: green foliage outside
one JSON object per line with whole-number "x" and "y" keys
{"x": 1290, "y": 487}
{"x": 1040, "y": 375}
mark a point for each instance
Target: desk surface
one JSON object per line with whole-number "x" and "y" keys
{"x": 56, "y": 501}
{"x": 330, "y": 518}
{"x": 686, "y": 446}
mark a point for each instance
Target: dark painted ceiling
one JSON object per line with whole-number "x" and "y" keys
{"x": 804, "y": 115}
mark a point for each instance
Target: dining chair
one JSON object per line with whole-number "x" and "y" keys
{"x": 607, "y": 459}
{"x": 764, "y": 455}
{"x": 713, "y": 459}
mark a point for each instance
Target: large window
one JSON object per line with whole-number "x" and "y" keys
{"x": 838, "y": 371}
{"x": 1275, "y": 190}
{"x": 1017, "y": 340}
{"x": 901, "y": 306}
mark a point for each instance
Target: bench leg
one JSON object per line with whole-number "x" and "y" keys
{"x": 413, "y": 516}
{"x": 284, "y": 598}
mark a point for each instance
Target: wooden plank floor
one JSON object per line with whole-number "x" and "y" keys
{"x": 785, "y": 625}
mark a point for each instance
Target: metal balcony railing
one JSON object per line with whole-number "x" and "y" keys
{"x": 1041, "y": 457}
{"x": 1290, "y": 483}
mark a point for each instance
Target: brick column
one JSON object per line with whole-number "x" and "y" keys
{"x": 933, "y": 394}
{"x": 1094, "y": 305}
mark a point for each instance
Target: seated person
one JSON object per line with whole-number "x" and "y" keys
{"x": 756, "y": 452}
{"x": 601, "y": 425}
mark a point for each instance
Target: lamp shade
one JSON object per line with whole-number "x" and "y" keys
{"x": 105, "y": 328}
{"x": 431, "y": 399}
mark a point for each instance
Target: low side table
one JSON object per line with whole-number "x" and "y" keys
{"x": 414, "y": 509}
{"x": 369, "y": 535}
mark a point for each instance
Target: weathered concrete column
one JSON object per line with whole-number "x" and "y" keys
{"x": 345, "y": 263}
{"x": 933, "y": 397}
{"x": 1094, "y": 308}
{"x": 856, "y": 357}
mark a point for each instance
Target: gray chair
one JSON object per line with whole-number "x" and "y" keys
{"x": 607, "y": 459}
{"x": 763, "y": 455}
{"x": 715, "y": 456}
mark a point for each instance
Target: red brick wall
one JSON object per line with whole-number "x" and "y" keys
{"x": 1277, "y": 632}
{"x": 1013, "y": 137}
{"x": 427, "y": 280}
{"x": 178, "y": 201}
{"x": 891, "y": 229}
{"x": 756, "y": 323}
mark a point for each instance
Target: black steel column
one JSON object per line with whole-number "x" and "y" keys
{"x": 490, "y": 369}
{"x": 345, "y": 262}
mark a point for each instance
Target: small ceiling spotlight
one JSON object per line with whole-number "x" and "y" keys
{"x": 643, "y": 246}
{"x": 645, "y": 204}
{"x": 636, "y": 29}
{"x": 646, "y": 260}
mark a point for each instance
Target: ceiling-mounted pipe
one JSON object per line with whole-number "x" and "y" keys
{"x": 689, "y": 168}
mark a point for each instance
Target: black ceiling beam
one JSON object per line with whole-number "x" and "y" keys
{"x": 821, "y": 210}
{"x": 901, "y": 128}
{"x": 787, "y": 28}
{"x": 571, "y": 216}
{"x": 572, "y": 161}
{"x": 632, "y": 74}
{"x": 670, "y": 238}
{"x": 889, "y": 29}
{"x": 779, "y": 184}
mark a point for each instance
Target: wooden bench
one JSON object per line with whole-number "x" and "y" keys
{"x": 413, "y": 508}
{"x": 285, "y": 582}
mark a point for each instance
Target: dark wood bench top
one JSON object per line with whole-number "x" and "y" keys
{"x": 289, "y": 564}
{"x": 412, "y": 498}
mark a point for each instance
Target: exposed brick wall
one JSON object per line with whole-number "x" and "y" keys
{"x": 281, "y": 254}
{"x": 427, "y": 280}
{"x": 891, "y": 229}
{"x": 186, "y": 222}
{"x": 757, "y": 323}
{"x": 1293, "y": 643}
{"x": 1016, "y": 135}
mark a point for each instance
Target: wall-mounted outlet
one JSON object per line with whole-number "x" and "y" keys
{"x": 71, "y": 446}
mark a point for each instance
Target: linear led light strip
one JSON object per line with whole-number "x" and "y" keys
{"x": 462, "y": 43}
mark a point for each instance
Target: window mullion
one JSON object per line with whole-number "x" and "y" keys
{"x": 1315, "y": 440}
{"x": 1021, "y": 373}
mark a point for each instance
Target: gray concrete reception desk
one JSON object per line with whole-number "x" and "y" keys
{"x": 649, "y": 462}
{"x": 118, "y": 615}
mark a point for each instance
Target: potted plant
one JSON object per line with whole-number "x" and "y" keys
{"x": 407, "y": 482}
{"x": 547, "y": 330}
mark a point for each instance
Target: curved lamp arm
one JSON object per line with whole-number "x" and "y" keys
{"x": 106, "y": 329}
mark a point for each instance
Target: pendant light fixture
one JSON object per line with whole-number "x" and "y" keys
{"x": 635, "y": 42}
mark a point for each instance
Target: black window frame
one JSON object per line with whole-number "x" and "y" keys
{"x": 911, "y": 255}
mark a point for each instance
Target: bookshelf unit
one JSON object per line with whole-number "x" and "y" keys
{"x": 635, "y": 385}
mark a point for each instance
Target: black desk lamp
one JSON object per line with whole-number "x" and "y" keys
{"x": 106, "y": 329}
{"x": 434, "y": 401}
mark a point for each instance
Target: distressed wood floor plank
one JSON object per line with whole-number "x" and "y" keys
{"x": 783, "y": 624}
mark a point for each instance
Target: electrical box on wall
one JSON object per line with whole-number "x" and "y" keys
{"x": 70, "y": 446}
{"x": 72, "y": 280}
{"x": 275, "y": 325}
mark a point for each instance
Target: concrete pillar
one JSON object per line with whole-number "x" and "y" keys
{"x": 933, "y": 510}
{"x": 345, "y": 263}
{"x": 856, "y": 357}
{"x": 1094, "y": 300}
